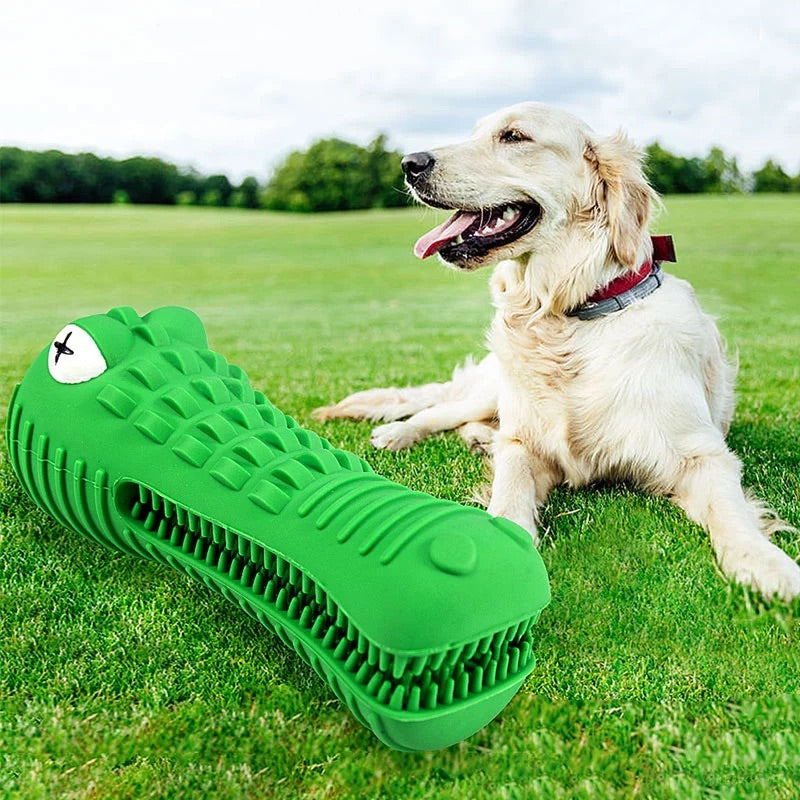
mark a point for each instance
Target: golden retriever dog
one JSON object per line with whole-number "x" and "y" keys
{"x": 601, "y": 366}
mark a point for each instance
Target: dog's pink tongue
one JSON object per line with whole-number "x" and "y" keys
{"x": 435, "y": 240}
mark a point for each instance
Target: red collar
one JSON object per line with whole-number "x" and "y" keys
{"x": 663, "y": 250}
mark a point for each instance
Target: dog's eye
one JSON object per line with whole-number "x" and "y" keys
{"x": 513, "y": 135}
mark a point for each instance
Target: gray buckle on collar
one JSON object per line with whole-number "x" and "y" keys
{"x": 613, "y": 304}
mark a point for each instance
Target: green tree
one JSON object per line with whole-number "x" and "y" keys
{"x": 54, "y": 177}
{"x": 386, "y": 174}
{"x": 216, "y": 190}
{"x": 11, "y": 169}
{"x": 285, "y": 190}
{"x": 771, "y": 178}
{"x": 148, "y": 180}
{"x": 691, "y": 176}
{"x": 671, "y": 174}
{"x": 217, "y": 187}
{"x": 211, "y": 197}
{"x": 247, "y": 195}
{"x": 335, "y": 175}
{"x": 40, "y": 177}
{"x": 723, "y": 173}
{"x": 190, "y": 187}
{"x": 660, "y": 168}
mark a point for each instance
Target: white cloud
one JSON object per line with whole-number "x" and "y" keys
{"x": 232, "y": 86}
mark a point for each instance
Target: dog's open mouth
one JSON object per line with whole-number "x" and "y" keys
{"x": 473, "y": 233}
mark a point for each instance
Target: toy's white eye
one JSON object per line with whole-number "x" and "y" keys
{"x": 74, "y": 357}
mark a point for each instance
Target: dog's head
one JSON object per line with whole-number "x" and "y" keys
{"x": 527, "y": 174}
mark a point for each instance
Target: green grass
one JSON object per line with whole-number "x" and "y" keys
{"x": 122, "y": 679}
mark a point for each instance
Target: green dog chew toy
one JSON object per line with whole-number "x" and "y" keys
{"x": 416, "y": 611}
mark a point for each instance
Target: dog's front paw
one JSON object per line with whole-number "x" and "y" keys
{"x": 769, "y": 571}
{"x": 394, "y": 436}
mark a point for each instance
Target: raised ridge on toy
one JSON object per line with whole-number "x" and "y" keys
{"x": 416, "y": 611}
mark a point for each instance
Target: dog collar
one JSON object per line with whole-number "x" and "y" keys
{"x": 631, "y": 286}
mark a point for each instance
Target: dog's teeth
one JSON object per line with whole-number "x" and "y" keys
{"x": 459, "y": 239}
{"x": 509, "y": 213}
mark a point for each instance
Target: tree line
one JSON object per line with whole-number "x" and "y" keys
{"x": 51, "y": 176}
{"x": 716, "y": 173}
{"x": 331, "y": 175}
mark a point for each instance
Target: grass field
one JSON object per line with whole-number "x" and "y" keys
{"x": 655, "y": 678}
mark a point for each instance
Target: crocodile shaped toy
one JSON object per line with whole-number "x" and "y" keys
{"x": 416, "y": 611}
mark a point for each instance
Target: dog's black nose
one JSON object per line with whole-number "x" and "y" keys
{"x": 416, "y": 164}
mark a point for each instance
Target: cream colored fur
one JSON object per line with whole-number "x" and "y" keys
{"x": 644, "y": 395}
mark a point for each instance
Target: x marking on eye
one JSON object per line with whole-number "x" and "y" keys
{"x": 62, "y": 349}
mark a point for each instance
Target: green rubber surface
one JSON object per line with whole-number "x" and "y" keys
{"x": 416, "y": 611}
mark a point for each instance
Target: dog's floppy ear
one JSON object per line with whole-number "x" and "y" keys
{"x": 621, "y": 196}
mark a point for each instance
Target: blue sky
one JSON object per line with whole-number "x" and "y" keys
{"x": 232, "y": 86}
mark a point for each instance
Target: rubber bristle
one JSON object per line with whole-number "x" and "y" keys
{"x": 401, "y": 681}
